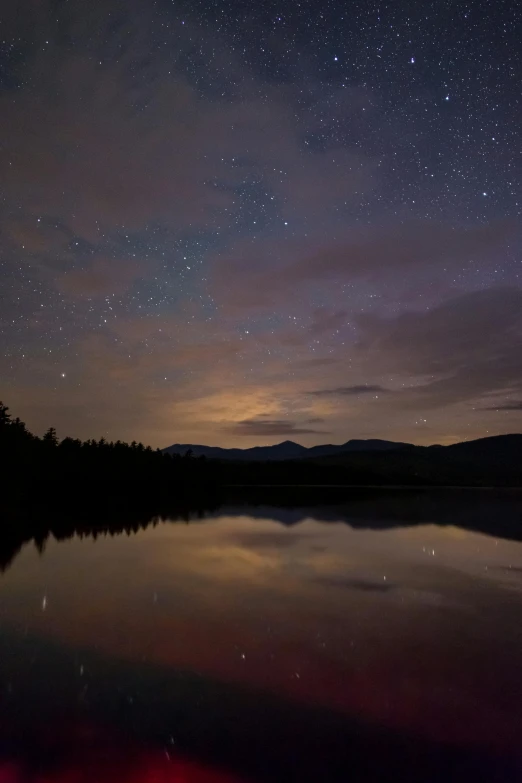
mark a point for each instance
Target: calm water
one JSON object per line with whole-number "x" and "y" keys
{"x": 264, "y": 644}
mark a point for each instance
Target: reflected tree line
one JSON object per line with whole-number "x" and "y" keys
{"x": 38, "y": 525}
{"x": 68, "y": 487}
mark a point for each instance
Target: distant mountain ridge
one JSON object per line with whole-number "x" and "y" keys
{"x": 493, "y": 447}
{"x": 491, "y": 461}
{"x": 285, "y": 450}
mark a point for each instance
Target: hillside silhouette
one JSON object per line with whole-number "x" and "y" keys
{"x": 491, "y": 461}
{"x": 72, "y": 487}
{"x": 92, "y": 463}
{"x": 47, "y": 467}
{"x": 283, "y": 451}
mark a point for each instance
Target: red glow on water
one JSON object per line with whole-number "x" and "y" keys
{"x": 85, "y": 755}
{"x": 148, "y": 771}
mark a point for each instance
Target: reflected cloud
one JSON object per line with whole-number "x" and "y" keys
{"x": 230, "y": 562}
{"x": 299, "y": 613}
{"x": 355, "y": 584}
{"x": 515, "y": 570}
{"x": 271, "y": 539}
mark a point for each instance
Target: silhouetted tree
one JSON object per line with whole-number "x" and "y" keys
{"x": 19, "y": 426}
{"x": 102, "y": 466}
{"x": 50, "y": 438}
{"x": 5, "y": 416}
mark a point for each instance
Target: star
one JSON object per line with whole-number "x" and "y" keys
{"x": 208, "y": 157}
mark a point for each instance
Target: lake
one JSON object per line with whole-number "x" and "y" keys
{"x": 375, "y": 639}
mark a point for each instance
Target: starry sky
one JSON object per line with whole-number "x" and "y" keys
{"x": 236, "y": 223}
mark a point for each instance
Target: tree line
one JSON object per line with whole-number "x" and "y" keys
{"x": 93, "y": 463}
{"x": 127, "y": 470}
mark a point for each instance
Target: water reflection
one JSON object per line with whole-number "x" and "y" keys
{"x": 265, "y": 644}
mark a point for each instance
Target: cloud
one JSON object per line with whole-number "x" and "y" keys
{"x": 36, "y": 235}
{"x": 259, "y": 273}
{"x": 270, "y": 539}
{"x": 335, "y": 176}
{"x": 110, "y": 176}
{"x": 119, "y": 138}
{"x": 460, "y": 350}
{"x": 107, "y": 145}
{"x": 354, "y": 584}
{"x": 508, "y": 406}
{"x": 102, "y": 277}
{"x": 325, "y": 321}
{"x": 310, "y": 364}
{"x": 269, "y": 427}
{"x": 110, "y": 138}
{"x": 351, "y": 391}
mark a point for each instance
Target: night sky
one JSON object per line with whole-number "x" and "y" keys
{"x": 236, "y": 223}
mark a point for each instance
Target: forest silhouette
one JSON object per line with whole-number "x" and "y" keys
{"x": 51, "y": 468}
{"x": 62, "y": 488}
{"x": 95, "y": 465}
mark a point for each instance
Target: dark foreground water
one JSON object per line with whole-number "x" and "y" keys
{"x": 263, "y": 644}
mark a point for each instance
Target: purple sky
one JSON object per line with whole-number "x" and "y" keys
{"x": 240, "y": 223}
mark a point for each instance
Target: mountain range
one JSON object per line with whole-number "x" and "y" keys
{"x": 491, "y": 461}
{"x": 497, "y": 446}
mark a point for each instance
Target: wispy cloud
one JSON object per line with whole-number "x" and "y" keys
{"x": 351, "y": 391}
{"x": 270, "y": 427}
{"x": 465, "y": 348}
{"x": 243, "y": 278}
{"x": 507, "y": 406}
